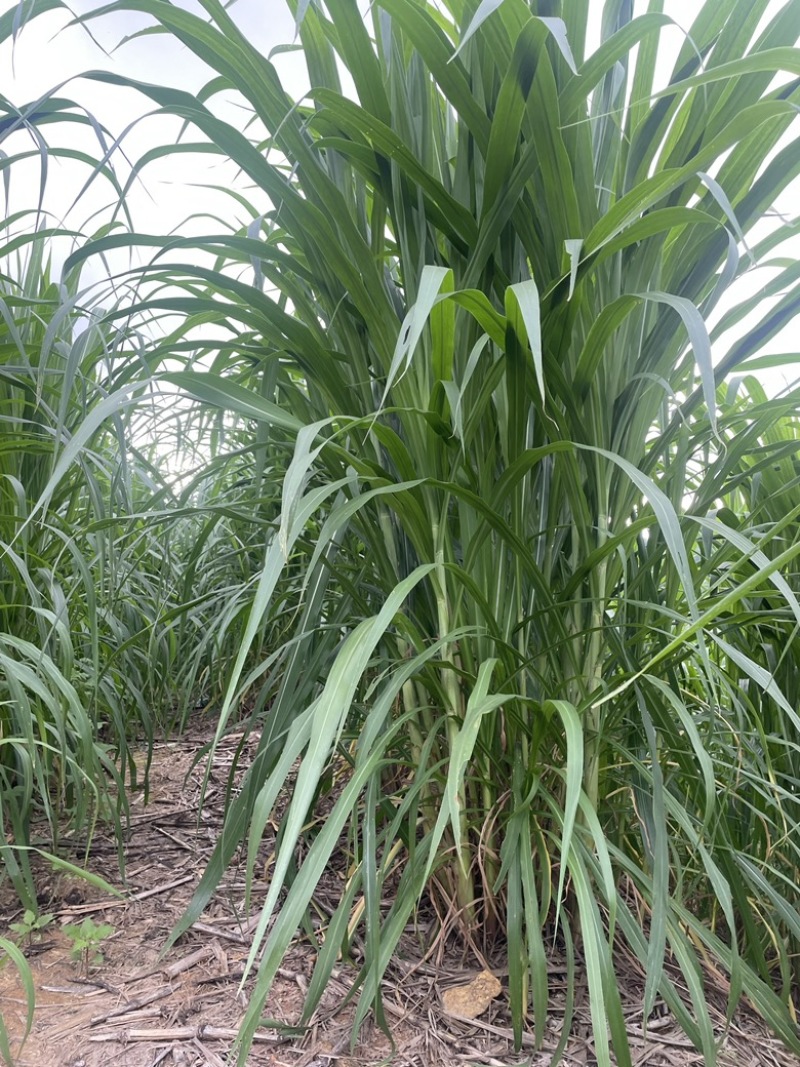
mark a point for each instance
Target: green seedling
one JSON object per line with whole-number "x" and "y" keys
{"x": 31, "y": 925}
{"x": 85, "y": 941}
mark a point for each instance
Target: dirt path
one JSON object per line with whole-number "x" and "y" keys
{"x": 134, "y": 1010}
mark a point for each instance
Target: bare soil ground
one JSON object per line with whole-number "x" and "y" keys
{"x": 137, "y": 1010}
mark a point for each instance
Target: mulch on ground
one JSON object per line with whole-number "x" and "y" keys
{"x": 138, "y": 1010}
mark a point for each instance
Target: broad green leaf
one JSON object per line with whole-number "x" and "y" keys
{"x": 522, "y": 309}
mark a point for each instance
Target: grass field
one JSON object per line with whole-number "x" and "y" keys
{"x": 481, "y": 525}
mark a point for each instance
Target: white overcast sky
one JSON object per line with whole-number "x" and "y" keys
{"x": 47, "y": 53}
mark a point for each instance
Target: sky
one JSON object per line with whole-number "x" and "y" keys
{"x": 49, "y": 52}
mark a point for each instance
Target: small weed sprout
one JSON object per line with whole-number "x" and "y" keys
{"x": 85, "y": 941}
{"x": 31, "y": 925}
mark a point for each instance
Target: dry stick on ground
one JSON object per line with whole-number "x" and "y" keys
{"x": 175, "y": 838}
{"x": 215, "y": 931}
{"x": 134, "y": 1018}
{"x": 159, "y": 816}
{"x": 185, "y": 1033}
{"x": 210, "y": 1058}
{"x": 499, "y": 1031}
{"x": 135, "y": 1005}
{"x": 172, "y": 970}
{"x": 103, "y": 905}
